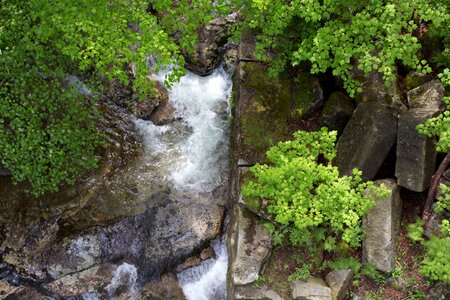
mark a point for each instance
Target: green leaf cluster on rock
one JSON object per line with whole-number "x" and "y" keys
{"x": 310, "y": 202}
{"x": 341, "y": 34}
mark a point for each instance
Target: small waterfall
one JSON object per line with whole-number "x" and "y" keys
{"x": 207, "y": 281}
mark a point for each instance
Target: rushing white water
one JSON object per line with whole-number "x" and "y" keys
{"x": 207, "y": 281}
{"x": 193, "y": 151}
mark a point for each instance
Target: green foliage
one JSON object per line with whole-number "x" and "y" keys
{"x": 334, "y": 34}
{"x": 300, "y": 273}
{"x": 307, "y": 198}
{"x": 372, "y": 272}
{"x": 436, "y": 262}
{"x": 47, "y": 132}
{"x": 345, "y": 263}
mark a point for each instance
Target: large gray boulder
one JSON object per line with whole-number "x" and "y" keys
{"x": 382, "y": 225}
{"x": 340, "y": 282}
{"x": 439, "y": 291}
{"x": 366, "y": 140}
{"x": 416, "y": 153}
{"x": 311, "y": 289}
{"x": 253, "y": 246}
{"x": 427, "y": 96}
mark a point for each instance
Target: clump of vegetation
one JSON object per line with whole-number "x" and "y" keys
{"x": 47, "y": 133}
{"x": 310, "y": 202}
{"x": 336, "y": 34}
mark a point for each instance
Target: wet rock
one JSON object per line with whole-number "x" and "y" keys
{"x": 164, "y": 114}
{"x": 22, "y": 293}
{"x": 366, "y": 140}
{"x": 427, "y": 96}
{"x": 189, "y": 263}
{"x": 337, "y": 111}
{"x": 207, "y": 253}
{"x": 167, "y": 288}
{"x": 230, "y": 59}
{"x": 439, "y": 291}
{"x": 144, "y": 108}
{"x": 253, "y": 246}
{"x": 77, "y": 284}
{"x": 311, "y": 289}
{"x": 375, "y": 90}
{"x": 381, "y": 226}
{"x": 210, "y": 39}
{"x": 415, "y": 79}
{"x": 254, "y": 293}
{"x": 416, "y": 153}
{"x": 340, "y": 283}
{"x": 6, "y": 289}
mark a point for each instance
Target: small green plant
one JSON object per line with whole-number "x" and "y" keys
{"x": 371, "y": 295}
{"x": 300, "y": 273}
{"x": 397, "y": 272}
{"x": 416, "y": 295}
{"x": 310, "y": 202}
{"x": 371, "y": 272}
{"x": 259, "y": 282}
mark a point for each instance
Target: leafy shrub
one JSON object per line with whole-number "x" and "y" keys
{"x": 333, "y": 34}
{"x": 309, "y": 199}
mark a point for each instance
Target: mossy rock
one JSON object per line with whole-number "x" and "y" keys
{"x": 266, "y": 105}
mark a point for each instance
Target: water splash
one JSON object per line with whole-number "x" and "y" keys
{"x": 124, "y": 282}
{"x": 207, "y": 281}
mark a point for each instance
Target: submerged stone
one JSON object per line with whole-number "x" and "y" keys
{"x": 381, "y": 226}
{"x": 366, "y": 140}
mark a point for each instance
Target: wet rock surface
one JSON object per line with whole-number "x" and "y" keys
{"x": 366, "y": 140}
{"x": 382, "y": 225}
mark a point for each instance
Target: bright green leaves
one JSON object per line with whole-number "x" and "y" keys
{"x": 47, "y": 133}
{"x": 308, "y": 197}
{"x": 334, "y": 34}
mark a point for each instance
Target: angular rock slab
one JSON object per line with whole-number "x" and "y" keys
{"x": 382, "y": 225}
{"x": 252, "y": 250}
{"x": 427, "y": 96}
{"x": 366, "y": 140}
{"x": 340, "y": 282}
{"x": 311, "y": 289}
{"x": 416, "y": 153}
{"x": 253, "y": 293}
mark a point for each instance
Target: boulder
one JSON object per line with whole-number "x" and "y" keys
{"x": 166, "y": 288}
{"x": 230, "y": 59}
{"x": 77, "y": 284}
{"x": 337, "y": 111}
{"x": 144, "y": 108}
{"x": 416, "y": 79}
{"x": 375, "y": 90}
{"x": 340, "y": 282}
{"x": 427, "y": 96}
{"x": 255, "y": 293}
{"x": 210, "y": 39}
{"x": 6, "y": 289}
{"x": 253, "y": 246}
{"x": 265, "y": 106}
{"x": 366, "y": 140}
{"x": 381, "y": 226}
{"x": 416, "y": 153}
{"x": 246, "y": 47}
{"x": 439, "y": 291}
{"x": 311, "y": 289}
{"x": 164, "y": 114}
